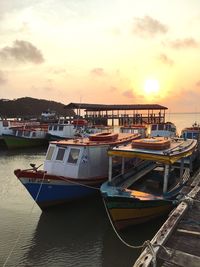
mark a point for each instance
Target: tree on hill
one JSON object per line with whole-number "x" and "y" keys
{"x": 31, "y": 107}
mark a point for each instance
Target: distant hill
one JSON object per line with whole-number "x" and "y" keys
{"x": 31, "y": 107}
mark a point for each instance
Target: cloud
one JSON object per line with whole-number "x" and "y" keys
{"x": 198, "y": 83}
{"x": 184, "y": 43}
{"x": 113, "y": 89}
{"x": 22, "y": 51}
{"x": 128, "y": 94}
{"x": 166, "y": 60}
{"x": 2, "y": 78}
{"x": 98, "y": 72}
{"x": 148, "y": 27}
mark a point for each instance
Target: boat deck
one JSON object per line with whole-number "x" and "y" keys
{"x": 177, "y": 242}
{"x": 122, "y": 137}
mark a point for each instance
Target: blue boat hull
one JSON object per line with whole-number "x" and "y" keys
{"x": 47, "y": 195}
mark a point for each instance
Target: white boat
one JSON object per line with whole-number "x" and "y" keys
{"x": 72, "y": 168}
{"x": 165, "y": 129}
{"x": 135, "y": 129}
{"x": 26, "y": 136}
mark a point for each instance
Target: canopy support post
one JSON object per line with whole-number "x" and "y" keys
{"x": 166, "y": 176}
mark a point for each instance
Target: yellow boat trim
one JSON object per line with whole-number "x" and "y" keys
{"x": 125, "y": 214}
{"x": 167, "y": 159}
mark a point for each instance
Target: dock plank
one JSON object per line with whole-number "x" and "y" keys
{"x": 180, "y": 258}
{"x": 183, "y": 246}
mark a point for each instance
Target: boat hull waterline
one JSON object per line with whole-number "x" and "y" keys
{"x": 49, "y": 190}
{"x": 126, "y": 212}
{"x": 17, "y": 142}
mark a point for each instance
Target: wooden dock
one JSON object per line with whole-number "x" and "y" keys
{"x": 177, "y": 243}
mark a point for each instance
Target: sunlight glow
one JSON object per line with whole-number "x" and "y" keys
{"x": 151, "y": 86}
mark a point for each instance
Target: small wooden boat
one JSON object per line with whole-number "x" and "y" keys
{"x": 73, "y": 169}
{"x": 151, "y": 143}
{"x": 151, "y": 186}
{"x": 104, "y": 137}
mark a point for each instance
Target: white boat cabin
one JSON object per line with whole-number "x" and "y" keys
{"x": 76, "y": 161}
{"x": 62, "y": 130}
{"x": 135, "y": 129}
{"x": 32, "y": 133}
{"x": 6, "y": 126}
{"x": 167, "y": 129}
{"x": 83, "y": 157}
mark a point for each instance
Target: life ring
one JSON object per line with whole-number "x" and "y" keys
{"x": 99, "y": 137}
{"x": 151, "y": 143}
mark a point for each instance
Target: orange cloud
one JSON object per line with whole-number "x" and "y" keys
{"x": 184, "y": 43}
{"x": 128, "y": 94}
{"x": 2, "y": 78}
{"x": 98, "y": 72}
{"x": 22, "y": 51}
{"x": 148, "y": 27}
{"x": 166, "y": 60}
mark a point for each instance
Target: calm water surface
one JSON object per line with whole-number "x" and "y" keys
{"x": 78, "y": 234}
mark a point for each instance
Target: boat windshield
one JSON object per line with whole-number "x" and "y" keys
{"x": 73, "y": 155}
{"x": 50, "y": 153}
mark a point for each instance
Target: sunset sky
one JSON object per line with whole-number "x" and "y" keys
{"x": 108, "y": 52}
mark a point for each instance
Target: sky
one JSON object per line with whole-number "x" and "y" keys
{"x": 106, "y": 52}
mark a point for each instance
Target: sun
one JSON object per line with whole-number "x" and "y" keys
{"x": 151, "y": 87}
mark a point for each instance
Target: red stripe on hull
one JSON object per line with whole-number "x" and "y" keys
{"x": 42, "y": 175}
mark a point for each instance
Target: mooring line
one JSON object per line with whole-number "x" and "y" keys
{"x": 25, "y": 223}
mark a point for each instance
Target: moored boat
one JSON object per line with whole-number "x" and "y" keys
{"x": 165, "y": 129}
{"x": 72, "y": 169}
{"x": 192, "y": 132}
{"x": 26, "y": 136}
{"x": 135, "y": 128}
{"x": 150, "y": 187}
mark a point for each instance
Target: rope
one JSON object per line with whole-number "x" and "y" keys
{"x": 118, "y": 235}
{"x": 146, "y": 243}
{"x": 77, "y": 183}
{"x": 25, "y": 223}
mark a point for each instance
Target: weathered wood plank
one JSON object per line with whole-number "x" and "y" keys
{"x": 166, "y": 230}
{"x": 196, "y": 180}
{"x": 180, "y": 258}
{"x": 162, "y": 235}
{"x": 188, "y": 232}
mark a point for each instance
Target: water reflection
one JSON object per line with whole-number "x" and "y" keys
{"x": 81, "y": 235}
{"x": 68, "y": 236}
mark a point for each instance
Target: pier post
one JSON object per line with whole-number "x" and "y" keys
{"x": 181, "y": 167}
{"x": 166, "y": 176}
{"x": 110, "y": 169}
{"x": 123, "y": 165}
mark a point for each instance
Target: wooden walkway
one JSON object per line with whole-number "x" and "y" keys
{"x": 177, "y": 243}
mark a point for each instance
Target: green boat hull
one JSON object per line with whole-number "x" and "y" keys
{"x": 13, "y": 142}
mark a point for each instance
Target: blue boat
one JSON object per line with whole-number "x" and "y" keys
{"x": 73, "y": 168}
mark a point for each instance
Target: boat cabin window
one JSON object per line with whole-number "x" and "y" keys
{"x": 55, "y": 127}
{"x": 61, "y": 153}
{"x": 50, "y": 153}
{"x": 154, "y": 127}
{"x": 60, "y": 128}
{"x": 195, "y": 135}
{"x": 160, "y": 127}
{"x": 34, "y": 134}
{"x": 50, "y": 127}
{"x": 73, "y": 155}
{"x": 19, "y": 133}
{"x": 26, "y": 133}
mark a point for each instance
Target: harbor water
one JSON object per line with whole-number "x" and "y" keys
{"x": 77, "y": 234}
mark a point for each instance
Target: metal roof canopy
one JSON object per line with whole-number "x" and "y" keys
{"x": 102, "y": 107}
